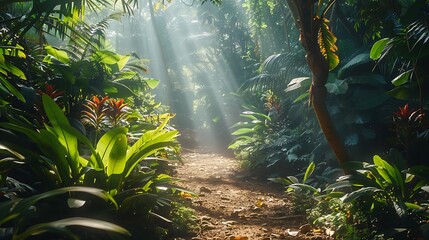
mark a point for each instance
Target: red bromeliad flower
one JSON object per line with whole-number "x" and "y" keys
{"x": 407, "y": 124}
{"x": 51, "y": 91}
{"x": 118, "y": 110}
{"x": 96, "y": 112}
{"x": 409, "y": 115}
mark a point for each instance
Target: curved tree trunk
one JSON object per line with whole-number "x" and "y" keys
{"x": 320, "y": 69}
{"x": 309, "y": 27}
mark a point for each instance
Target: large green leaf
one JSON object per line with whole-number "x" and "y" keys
{"x": 95, "y": 159}
{"x": 160, "y": 141}
{"x": 369, "y": 98}
{"x": 358, "y": 64}
{"x": 149, "y": 143}
{"x": 57, "y": 53}
{"x": 17, "y": 207}
{"x": 117, "y": 156}
{"x": 9, "y": 67}
{"x": 146, "y": 136}
{"x": 404, "y": 92}
{"x": 60, "y": 226}
{"x": 59, "y": 124}
{"x": 11, "y": 88}
{"x": 109, "y": 142}
{"x": 378, "y": 48}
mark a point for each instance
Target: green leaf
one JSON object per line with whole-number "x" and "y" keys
{"x": 12, "y": 89}
{"x": 378, "y": 48}
{"x": 20, "y": 206}
{"x": 365, "y": 191}
{"x": 254, "y": 115}
{"x": 242, "y": 131}
{"x": 117, "y": 155}
{"x": 95, "y": 160}
{"x": 327, "y": 43}
{"x": 369, "y": 98}
{"x": 118, "y": 90}
{"x": 59, "y": 122}
{"x": 13, "y": 69}
{"x": 404, "y": 92}
{"x": 152, "y": 83}
{"x": 391, "y": 174}
{"x": 149, "y": 143}
{"x": 302, "y": 96}
{"x": 412, "y": 206}
{"x": 125, "y": 75}
{"x": 109, "y": 142}
{"x": 402, "y": 78}
{"x": 58, "y": 54}
{"x": 309, "y": 171}
{"x": 123, "y": 61}
{"x": 60, "y": 225}
{"x": 304, "y": 187}
{"x": 354, "y": 66}
{"x": 281, "y": 180}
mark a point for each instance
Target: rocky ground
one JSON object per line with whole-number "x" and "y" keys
{"x": 232, "y": 205}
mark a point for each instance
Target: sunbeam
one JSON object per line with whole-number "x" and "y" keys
{"x": 196, "y": 78}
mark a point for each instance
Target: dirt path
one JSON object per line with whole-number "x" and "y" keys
{"x": 233, "y": 206}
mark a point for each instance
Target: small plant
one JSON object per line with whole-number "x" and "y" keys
{"x": 392, "y": 201}
{"x": 95, "y": 112}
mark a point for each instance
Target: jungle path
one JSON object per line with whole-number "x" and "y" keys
{"x": 232, "y": 205}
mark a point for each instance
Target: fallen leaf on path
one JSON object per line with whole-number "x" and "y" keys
{"x": 186, "y": 195}
{"x": 292, "y": 233}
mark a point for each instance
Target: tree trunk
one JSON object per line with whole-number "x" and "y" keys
{"x": 320, "y": 69}
{"x": 309, "y": 27}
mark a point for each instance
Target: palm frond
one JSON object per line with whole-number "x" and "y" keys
{"x": 86, "y": 39}
{"x": 418, "y": 31}
{"x": 276, "y": 72}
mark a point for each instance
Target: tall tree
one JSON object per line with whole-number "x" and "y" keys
{"x": 319, "y": 44}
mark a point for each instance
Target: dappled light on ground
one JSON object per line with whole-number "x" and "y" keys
{"x": 232, "y": 205}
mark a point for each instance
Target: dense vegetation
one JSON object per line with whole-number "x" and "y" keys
{"x": 85, "y": 141}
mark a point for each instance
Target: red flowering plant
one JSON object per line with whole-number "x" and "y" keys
{"x": 51, "y": 91}
{"x": 99, "y": 113}
{"x": 95, "y": 112}
{"x": 118, "y": 111}
{"x": 407, "y": 124}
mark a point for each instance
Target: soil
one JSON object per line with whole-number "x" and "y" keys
{"x": 232, "y": 205}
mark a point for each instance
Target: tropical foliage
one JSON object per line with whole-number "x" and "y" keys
{"x": 81, "y": 139}
{"x": 84, "y": 137}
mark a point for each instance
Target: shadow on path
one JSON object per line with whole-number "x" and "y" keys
{"x": 232, "y": 206}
